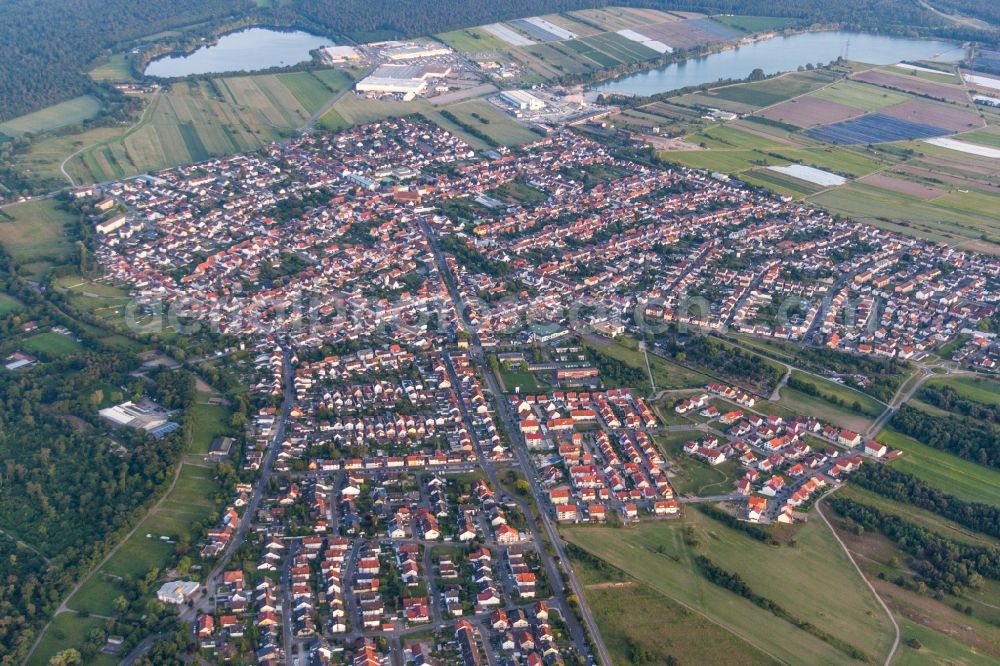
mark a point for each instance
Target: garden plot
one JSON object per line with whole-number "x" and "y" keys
{"x": 964, "y": 147}
{"x": 810, "y": 174}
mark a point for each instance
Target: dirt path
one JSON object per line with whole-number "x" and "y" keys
{"x": 63, "y": 608}
{"x": 885, "y": 607}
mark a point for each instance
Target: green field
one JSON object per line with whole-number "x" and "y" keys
{"x": 499, "y": 126}
{"x": 779, "y": 183}
{"x": 471, "y": 40}
{"x": 963, "y": 479}
{"x": 37, "y": 230}
{"x": 193, "y": 120}
{"x": 8, "y": 304}
{"x": 115, "y": 70}
{"x": 935, "y": 220}
{"x": 313, "y": 88}
{"x": 814, "y": 581}
{"x": 861, "y": 96}
{"x": 666, "y": 374}
{"x": 973, "y": 388}
{"x": 849, "y": 161}
{"x": 729, "y": 138}
{"x": 926, "y": 519}
{"x": 51, "y": 344}
{"x": 935, "y": 648}
{"x": 726, "y": 161}
{"x": 70, "y": 112}
{"x": 634, "y": 618}
{"x": 774, "y": 90}
{"x": 68, "y": 630}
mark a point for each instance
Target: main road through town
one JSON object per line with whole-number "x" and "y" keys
{"x": 518, "y": 445}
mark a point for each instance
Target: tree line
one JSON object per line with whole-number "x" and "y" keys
{"x": 964, "y": 437}
{"x": 900, "y": 486}
{"x": 950, "y": 400}
{"x": 940, "y": 563}
{"x": 733, "y": 582}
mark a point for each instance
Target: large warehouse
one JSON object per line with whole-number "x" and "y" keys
{"x": 522, "y": 100}
{"x": 388, "y": 79}
{"x": 410, "y": 50}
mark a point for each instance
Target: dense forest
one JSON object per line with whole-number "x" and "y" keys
{"x": 964, "y": 437}
{"x": 902, "y": 487}
{"x": 59, "y": 466}
{"x": 939, "y": 563}
{"x": 47, "y": 44}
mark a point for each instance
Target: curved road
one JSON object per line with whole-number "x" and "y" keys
{"x": 895, "y": 626}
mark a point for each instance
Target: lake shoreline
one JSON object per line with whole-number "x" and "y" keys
{"x": 651, "y": 80}
{"x": 185, "y": 55}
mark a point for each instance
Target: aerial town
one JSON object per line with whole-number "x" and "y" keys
{"x": 407, "y": 502}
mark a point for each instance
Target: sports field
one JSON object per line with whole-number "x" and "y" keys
{"x": 70, "y": 112}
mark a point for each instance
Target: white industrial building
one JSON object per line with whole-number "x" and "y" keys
{"x": 522, "y": 100}
{"x": 339, "y": 53}
{"x": 403, "y": 79}
{"x": 409, "y": 50}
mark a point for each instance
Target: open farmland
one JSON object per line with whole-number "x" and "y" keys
{"x": 810, "y": 175}
{"x": 934, "y": 219}
{"x": 64, "y": 114}
{"x": 774, "y": 90}
{"x": 936, "y": 114}
{"x": 860, "y": 95}
{"x": 965, "y": 147}
{"x": 809, "y": 111}
{"x": 950, "y": 93}
{"x": 471, "y": 40}
{"x": 633, "y": 616}
{"x": 812, "y": 581}
{"x": 902, "y": 186}
{"x": 194, "y": 120}
{"x": 874, "y": 128}
{"x": 609, "y": 19}
{"x": 114, "y": 69}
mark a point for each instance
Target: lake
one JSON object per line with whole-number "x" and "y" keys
{"x": 244, "y": 51}
{"x": 783, "y": 54}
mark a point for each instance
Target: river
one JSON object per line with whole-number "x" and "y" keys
{"x": 244, "y": 51}
{"x": 783, "y": 54}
